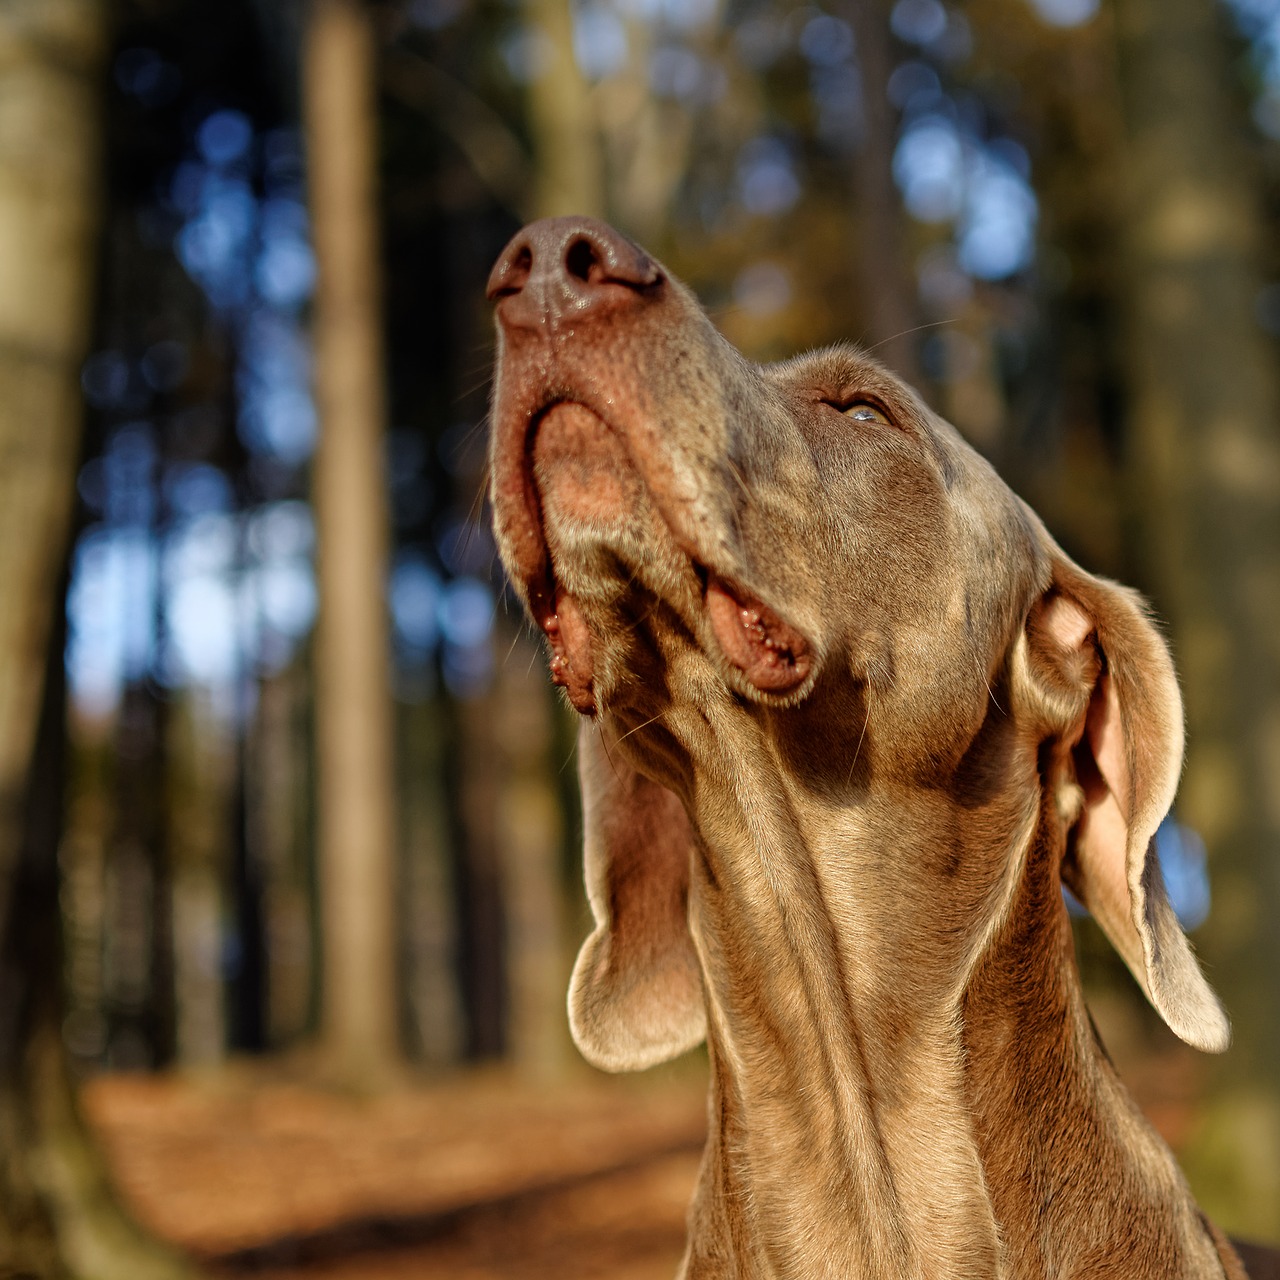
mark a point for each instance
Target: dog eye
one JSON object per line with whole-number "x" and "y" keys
{"x": 862, "y": 411}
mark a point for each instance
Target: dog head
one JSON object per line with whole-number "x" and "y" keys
{"x": 803, "y": 562}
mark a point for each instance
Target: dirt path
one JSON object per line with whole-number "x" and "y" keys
{"x": 482, "y": 1177}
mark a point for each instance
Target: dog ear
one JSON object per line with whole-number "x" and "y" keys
{"x": 1116, "y": 685}
{"x": 635, "y": 998}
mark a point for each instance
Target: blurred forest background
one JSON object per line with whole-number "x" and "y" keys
{"x": 287, "y": 806}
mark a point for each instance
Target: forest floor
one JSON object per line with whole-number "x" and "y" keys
{"x": 474, "y": 1178}
{"x": 478, "y": 1177}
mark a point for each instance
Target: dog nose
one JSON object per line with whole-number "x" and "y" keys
{"x": 569, "y": 268}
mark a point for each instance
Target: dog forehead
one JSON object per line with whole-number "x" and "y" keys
{"x": 843, "y": 366}
{"x": 925, "y": 517}
{"x": 843, "y": 374}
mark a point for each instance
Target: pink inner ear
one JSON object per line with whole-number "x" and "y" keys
{"x": 1066, "y": 623}
{"x": 1069, "y": 625}
{"x": 1101, "y": 882}
{"x": 1105, "y": 732}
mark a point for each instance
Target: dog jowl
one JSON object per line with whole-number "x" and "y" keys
{"x": 850, "y": 719}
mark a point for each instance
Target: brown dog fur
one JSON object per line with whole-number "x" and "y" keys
{"x": 850, "y": 719}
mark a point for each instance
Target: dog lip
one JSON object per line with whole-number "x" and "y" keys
{"x": 554, "y": 610}
{"x": 571, "y": 651}
{"x": 772, "y": 655}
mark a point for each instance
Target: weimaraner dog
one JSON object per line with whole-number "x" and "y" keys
{"x": 850, "y": 720}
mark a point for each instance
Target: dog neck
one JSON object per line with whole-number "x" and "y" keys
{"x": 895, "y": 1100}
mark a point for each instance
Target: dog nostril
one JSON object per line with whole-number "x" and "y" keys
{"x": 568, "y": 262}
{"x": 515, "y": 275}
{"x": 579, "y": 259}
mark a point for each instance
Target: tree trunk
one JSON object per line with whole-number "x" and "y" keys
{"x": 278, "y": 821}
{"x": 356, "y": 796}
{"x": 1204, "y": 462}
{"x": 48, "y": 205}
{"x": 200, "y": 787}
{"x": 646, "y": 140}
{"x": 486, "y": 964}
{"x": 886, "y": 280}
{"x": 429, "y": 910}
{"x": 566, "y": 140}
{"x": 531, "y": 837}
{"x": 57, "y": 1217}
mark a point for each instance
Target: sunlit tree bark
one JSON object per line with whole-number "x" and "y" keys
{"x": 48, "y": 158}
{"x": 1204, "y": 463}
{"x": 647, "y": 139}
{"x": 356, "y": 799}
{"x": 566, "y": 138}
{"x": 57, "y": 1215}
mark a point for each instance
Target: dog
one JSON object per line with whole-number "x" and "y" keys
{"x": 850, "y": 720}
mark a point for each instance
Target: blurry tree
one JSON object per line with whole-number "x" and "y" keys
{"x": 506, "y": 830}
{"x": 200, "y": 832}
{"x": 569, "y": 166}
{"x": 889, "y": 300}
{"x": 356, "y": 775}
{"x": 1058, "y": 443}
{"x": 456, "y": 181}
{"x": 650, "y": 138}
{"x": 57, "y": 1217}
{"x": 1204, "y": 464}
{"x": 767, "y": 152}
